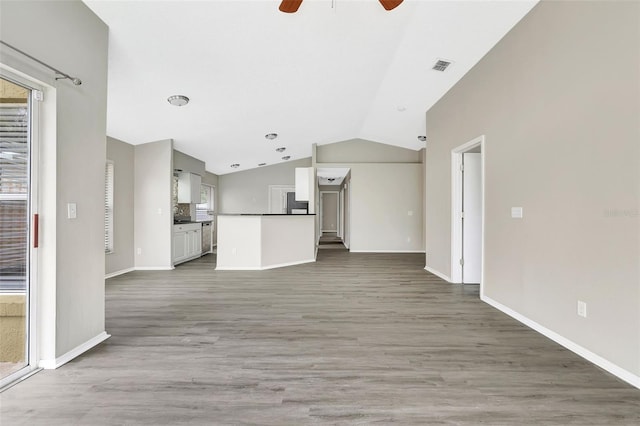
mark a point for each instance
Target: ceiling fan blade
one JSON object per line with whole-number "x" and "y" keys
{"x": 290, "y": 6}
{"x": 389, "y": 4}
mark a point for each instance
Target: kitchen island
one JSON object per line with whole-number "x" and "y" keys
{"x": 265, "y": 241}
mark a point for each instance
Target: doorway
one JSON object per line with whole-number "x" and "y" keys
{"x": 278, "y": 198}
{"x": 467, "y": 212}
{"x": 18, "y": 227}
{"x": 329, "y": 212}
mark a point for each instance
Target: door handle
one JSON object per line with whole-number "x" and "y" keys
{"x": 36, "y": 233}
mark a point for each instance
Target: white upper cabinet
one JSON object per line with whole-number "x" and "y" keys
{"x": 189, "y": 188}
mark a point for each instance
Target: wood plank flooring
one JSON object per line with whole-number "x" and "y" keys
{"x": 353, "y": 339}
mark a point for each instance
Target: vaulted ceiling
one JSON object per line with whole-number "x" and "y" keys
{"x": 335, "y": 70}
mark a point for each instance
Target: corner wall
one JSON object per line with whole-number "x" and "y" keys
{"x": 153, "y": 210}
{"x": 558, "y": 100}
{"x": 122, "y": 258}
{"x": 69, "y": 36}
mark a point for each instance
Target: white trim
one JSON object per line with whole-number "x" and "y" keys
{"x": 120, "y": 272}
{"x": 154, "y": 268}
{"x": 263, "y": 268}
{"x": 456, "y": 201}
{"x": 601, "y": 362}
{"x": 437, "y": 274}
{"x": 50, "y": 364}
{"x": 387, "y": 251}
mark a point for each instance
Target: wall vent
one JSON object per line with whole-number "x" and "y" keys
{"x": 441, "y": 65}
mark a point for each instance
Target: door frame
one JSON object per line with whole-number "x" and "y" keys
{"x": 456, "y": 207}
{"x": 287, "y": 188}
{"x": 33, "y": 333}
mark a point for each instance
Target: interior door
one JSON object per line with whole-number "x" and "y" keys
{"x": 472, "y": 218}
{"x": 329, "y": 202}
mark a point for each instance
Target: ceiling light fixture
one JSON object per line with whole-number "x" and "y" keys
{"x": 281, "y": 149}
{"x": 178, "y": 100}
{"x": 271, "y": 136}
{"x": 235, "y": 166}
{"x": 286, "y": 157}
{"x": 422, "y": 138}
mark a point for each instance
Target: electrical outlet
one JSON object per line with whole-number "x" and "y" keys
{"x": 582, "y": 309}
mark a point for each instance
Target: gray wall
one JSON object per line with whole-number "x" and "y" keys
{"x": 70, "y": 37}
{"x": 386, "y": 207}
{"x": 153, "y": 210}
{"x": 558, "y": 100}
{"x": 187, "y": 163}
{"x": 385, "y": 185}
{"x": 248, "y": 191}
{"x": 364, "y": 151}
{"x": 122, "y": 155}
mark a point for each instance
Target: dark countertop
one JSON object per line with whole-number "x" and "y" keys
{"x": 265, "y": 214}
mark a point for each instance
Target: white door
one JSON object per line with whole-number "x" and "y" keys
{"x": 329, "y": 209}
{"x": 278, "y": 198}
{"x": 471, "y": 218}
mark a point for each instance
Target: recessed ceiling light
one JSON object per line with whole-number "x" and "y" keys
{"x": 331, "y": 179}
{"x": 235, "y": 166}
{"x": 271, "y": 136}
{"x": 286, "y": 157}
{"x": 262, "y": 164}
{"x": 281, "y": 149}
{"x": 422, "y": 138}
{"x": 178, "y": 100}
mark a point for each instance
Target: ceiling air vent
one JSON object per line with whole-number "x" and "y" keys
{"x": 441, "y": 65}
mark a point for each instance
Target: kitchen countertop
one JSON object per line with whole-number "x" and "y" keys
{"x": 265, "y": 214}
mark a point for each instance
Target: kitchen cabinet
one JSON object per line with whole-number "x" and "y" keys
{"x": 189, "y": 188}
{"x": 187, "y": 242}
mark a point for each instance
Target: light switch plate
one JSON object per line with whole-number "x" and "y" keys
{"x": 516, "y": 212}
{"x": 72, "y": 211}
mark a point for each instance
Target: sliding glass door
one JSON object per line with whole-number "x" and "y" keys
{"x": 15, "y": 228}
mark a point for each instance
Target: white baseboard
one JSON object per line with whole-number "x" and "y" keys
{"x": 262, "y": 268}
{"x": 154, "y": 268}
{"x": 50, "y": 364}
{"x": 120, "y": 272}
{"x": 438, "y": 274}
{"x": 386, "y": 251}
{"x": 601, "y": 362}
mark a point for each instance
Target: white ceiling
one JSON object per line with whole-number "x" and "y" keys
{"x": 322, "y": 75}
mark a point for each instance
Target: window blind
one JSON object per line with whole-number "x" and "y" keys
{"x": 14, "y": 185}
{"x": 108, "y": 207}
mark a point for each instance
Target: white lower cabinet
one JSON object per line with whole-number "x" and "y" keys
{"x": 187, "y": 242}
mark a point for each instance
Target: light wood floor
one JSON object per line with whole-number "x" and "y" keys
{"x": 351, "y": 339}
